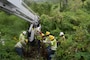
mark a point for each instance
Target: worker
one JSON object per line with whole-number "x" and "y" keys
{"x": 47, "y": 33}
{"x": 47, "y": 37}
{"x": 62, "y": 35}
{"x": 47, "y": 41}
{"x": 33, "y": 35}
{"x": 22, "y": 36}
{"x": 61, "y": 38}
{"x": 39, "y": 38}
{"x": 19, "y": 47}
{"x": 53, "y": 45}
{"x": 37, "y": 30}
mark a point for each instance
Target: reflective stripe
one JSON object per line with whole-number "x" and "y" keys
{"x": 46, "y": 41}
{"x": 19, "y": 45}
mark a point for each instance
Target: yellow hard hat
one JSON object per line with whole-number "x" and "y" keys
{"x": 43, "y": 34}
{"x": 51, "y": 37}
{"x": 47, "y": 33}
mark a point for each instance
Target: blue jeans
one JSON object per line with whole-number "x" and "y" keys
{"x": 50, "y": 52}
{"x": 19, "y": 51}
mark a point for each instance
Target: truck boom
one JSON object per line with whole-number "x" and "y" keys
{"x": 20, "y": 9}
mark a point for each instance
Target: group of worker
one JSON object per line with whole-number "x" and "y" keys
{"x": 48, "y": 39}
{"x": 51, "y": 45}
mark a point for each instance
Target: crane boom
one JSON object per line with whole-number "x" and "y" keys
{"x": 19, "y": 8}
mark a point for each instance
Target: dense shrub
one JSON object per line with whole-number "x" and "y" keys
{"x": 74, "y": 22}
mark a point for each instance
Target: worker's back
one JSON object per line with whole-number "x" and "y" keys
{"x": 54, "y": 44}
{"x": 21, "y": 37}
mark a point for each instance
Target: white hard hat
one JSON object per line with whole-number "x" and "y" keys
{"x": 24, "y": 32}
{"x": 38, "y": 29}
{"x": 61, "y": 33}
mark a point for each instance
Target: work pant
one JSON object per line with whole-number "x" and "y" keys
{"x": 50, "y": 53}
{"x": 39, "y": 45}
{"x": 19, "y": 51}
{"x": 33, "y": 43}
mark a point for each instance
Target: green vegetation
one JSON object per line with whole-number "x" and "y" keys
{"x": 73, "y": 19}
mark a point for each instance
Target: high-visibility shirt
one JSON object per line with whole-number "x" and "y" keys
{"x": 20, "y": 44}
{"x": 21, "y": 37}
{"x": 47, "y": 40}
{"x": 54, "y": 44}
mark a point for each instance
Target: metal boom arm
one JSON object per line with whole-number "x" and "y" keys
{"x": 19, "y": 8}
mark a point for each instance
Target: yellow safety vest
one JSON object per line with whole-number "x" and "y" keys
{"x": 47, "y": 40}
{"x": 20, "y": 44}
{"x": 21, "y": 37}
{"x": 54, "y": 44}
